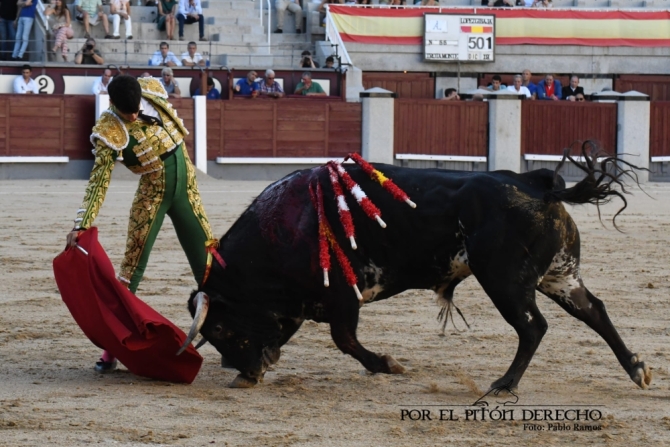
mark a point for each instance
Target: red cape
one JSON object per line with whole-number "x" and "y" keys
{"x": 116, "y": 320}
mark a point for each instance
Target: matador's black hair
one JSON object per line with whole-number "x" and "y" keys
{"x": 125, "y": 93}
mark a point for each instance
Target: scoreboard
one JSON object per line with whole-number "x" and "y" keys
{"x": 459, "y": 38}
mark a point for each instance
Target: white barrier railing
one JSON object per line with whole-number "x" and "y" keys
{"x": 44, "y": 20}
{"x": 269, "y": 50}
{"x": 333, "y": 36}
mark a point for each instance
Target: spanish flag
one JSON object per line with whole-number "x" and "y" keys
{"x": 477, "y": 29}
{"x": 513, "y": 26}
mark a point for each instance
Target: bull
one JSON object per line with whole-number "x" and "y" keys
{"x": 511, "y": 231}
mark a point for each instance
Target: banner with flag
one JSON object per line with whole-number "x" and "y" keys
{"x": 514, "y": 26}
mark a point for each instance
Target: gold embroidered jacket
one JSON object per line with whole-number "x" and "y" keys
{"x": 138, "y": 145}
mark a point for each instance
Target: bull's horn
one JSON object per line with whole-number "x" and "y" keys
{"x": 200, "y": 343}
{"x": 201, "y": 308}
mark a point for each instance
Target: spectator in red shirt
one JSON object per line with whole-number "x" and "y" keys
{"x": 549, "y": 88}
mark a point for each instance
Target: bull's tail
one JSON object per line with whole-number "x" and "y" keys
{"x": 446, "y": 313}
{"x": 603, "y": 174}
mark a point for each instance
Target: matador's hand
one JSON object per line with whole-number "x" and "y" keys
{"x": 72, "y": 237}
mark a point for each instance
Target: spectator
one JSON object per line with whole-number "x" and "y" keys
{"x": 294, "y": 7}
{"x": 25, "y": 20}
{"x": 120, "y": 9}
{"x": 247, "y": 86}
{"x": 61, "y": 29}
{"x": 170, "y": 83}
{"x": 579, "y": 97}
{"x": 525, "y": 81}
{"x": 25, "y": 84}
{"x": 543, "y": 4}
{"x": 90, "y": 12}
{"x": 89, "y": 55}
{"x": 146, "y": 74}
{"x": 496, "y": 84}
{"x": 189, "y": 12}
{"x": 572, "y": 89}
{"x": 100, "y": 85}
{"x": 212, "y": 92}
{"x": 322, "y": 10}
{"x": 430, "y": 3}
{"x": 269, "y": 87}
{"x": 191, "y": 58}
{"x": 309, "y": 88}
{"x": 451, "y": 94}
{"x": 8, "y": 11}
{"x": 306, "y": 60}
{"x": 549, "y": 88}
{"x": 167, "y": 16}
{"x": 330, "y": 62}
{"x": 503, "y": 4}
{"x": 518, "y": 88}
{"x": 164, "y": 57}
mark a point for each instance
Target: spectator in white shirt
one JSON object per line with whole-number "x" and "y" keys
{"x": 100, "y": 85}
{"x": 164, "y": 57}
{"x": 120, "y": 9}
{"x": 516, "y": 87}
{"x": 191, "y": 58}
{"x": 24, "y": 83}
{"x": 190, "y": 11}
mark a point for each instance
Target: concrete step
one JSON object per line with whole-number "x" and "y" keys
{"x": 288, "y": 38}
{"x": 255, "y": 61}
{"x": 234, "y": 21}
{"x": 228, "y": 4}
{"x": 141, "y": 30}
{"x": 233, "y": 13}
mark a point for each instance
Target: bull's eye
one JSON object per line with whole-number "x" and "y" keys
{"x": 218, "y": 329}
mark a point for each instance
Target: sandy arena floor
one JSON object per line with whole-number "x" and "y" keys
{"x": 317, "y": 396}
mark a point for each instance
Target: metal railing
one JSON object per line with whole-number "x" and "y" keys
{"x": 127, "y": 52}
{"x": 269, "y": 31}
{"x": 333, "y": 36}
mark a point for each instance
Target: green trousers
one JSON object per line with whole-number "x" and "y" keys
{"x": 172, "y": 199}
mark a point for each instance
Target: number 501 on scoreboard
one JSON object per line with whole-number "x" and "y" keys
{"x": 459, "y": 37}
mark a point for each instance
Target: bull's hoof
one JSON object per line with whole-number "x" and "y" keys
{"x": 271, "y": 355}
{"x": 393, "y": 366}
{"x": 641, "y": 373}
{"x": 243, "y": 382}
{"x": 503, "y": 385}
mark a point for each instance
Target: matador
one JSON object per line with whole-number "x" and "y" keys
{"x": 141, "y": 129}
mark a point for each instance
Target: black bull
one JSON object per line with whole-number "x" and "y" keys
{"x": 509, "y": 230}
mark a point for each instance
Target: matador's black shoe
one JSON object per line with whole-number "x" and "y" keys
{"x": 106, "y": 367}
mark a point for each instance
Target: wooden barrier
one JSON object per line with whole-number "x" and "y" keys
{"x": 405, "y": 85}
{"x": 59, "y": 125}
{"x": 55, "y": 125}
{"x": 547, "y": 127}
{"x": 186, "y": 110}
{"x": 436, "y": 127}
{"x": 657, "y": 87}
{"x": 659, "y": 132}
{"x": 283, "y": 128}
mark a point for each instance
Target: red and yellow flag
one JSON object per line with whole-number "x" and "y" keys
{"x": 404, "y": 26}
